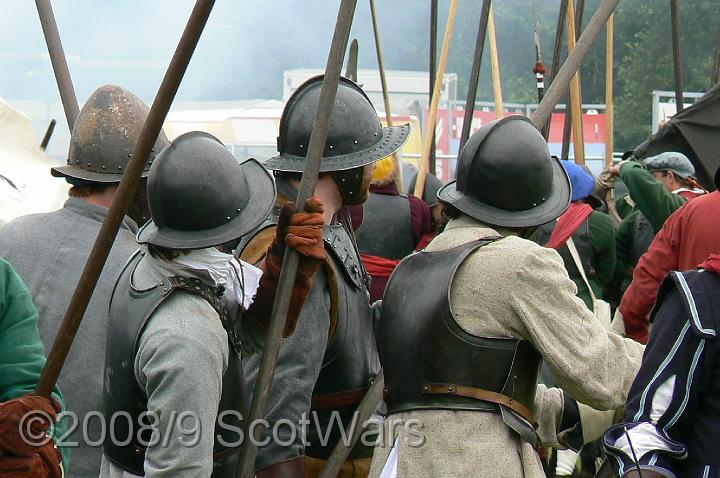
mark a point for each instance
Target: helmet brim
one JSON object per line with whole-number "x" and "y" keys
{"x": 393, "y": 138}
{"x": 69, "y": 171}
{"x": 551, "y": 209}
{"x": 262, "y": 195}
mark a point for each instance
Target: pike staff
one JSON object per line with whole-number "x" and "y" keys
{"x": 123, "y": 197}
{"x": 567, "y": 125}
{"x": 539, "y": 68}
{"x": 432, "y": 69}
{"x": 557, "y": 53}
{"x": 575, "y": 58}
{"x": 495, "y": 64}
{"x": 677, "y": 61}
{"x": 475, "y": 73}
{"x": 432, "y": 113}
{"x": 59, "y": 63}
{"x": 609, "y": 104}
{"x": 575, "y": 92}
{"x": 318, "y": 137}
{"x": 386, "y": 95}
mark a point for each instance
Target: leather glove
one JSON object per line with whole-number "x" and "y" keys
{"x": 23, "y": 421}
{"x": 46, "y": 463}
{"x": 302, "y": 231}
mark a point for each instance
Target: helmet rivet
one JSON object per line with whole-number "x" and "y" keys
{"x": 103, "y": 166}
{"x": 355, "y": 141}
{"x": 342, "y": 180}
{"x": 301, "y": 146}
{"x": 375, "y": 134}
{"x": 534, "y": 204}
{"x": 239, "y": 210}
{"x": 227, "y": 218}
{"x": 331, "y": 146}
{"x": 119, "y": 168}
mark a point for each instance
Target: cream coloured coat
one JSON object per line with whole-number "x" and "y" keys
{"x": 513, "y": 288}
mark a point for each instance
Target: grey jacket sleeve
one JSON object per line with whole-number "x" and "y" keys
{"x": 182, "y": 356}
{"x": 594, "y": 366}
{"x": 298, "y": 367}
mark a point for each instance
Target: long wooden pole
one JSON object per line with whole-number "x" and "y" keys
{"x": 677, "y": 59}
{"x": 123, "y": 196}
{"x": 432, "y": 69}
{"x": 385, "y": 92}
{"x": 367, "y": 407}
{"x": 432, "y": 114}
{"x": 316, "y": 146}
{"x": 495, "y": 63}
{"x": 557, "y": 53}
{"x": 475, "y": 73}
{"x": 609, "y": 101}
{"x": 575, "y": 94}
{"x": 574, "y": 60}
{"x": 58, "y": 61}
{"x": 567, "y": 125}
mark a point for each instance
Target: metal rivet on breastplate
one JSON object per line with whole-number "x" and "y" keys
{"x": 103, "y": 166}
{"x": 355, "y": 141}
{"x": 164, "y": 289}
{"x": 375, "y": 134}
{"x": 89, "y": 165}
{"x": 119, "y": 168}
{"x": 426, "y": 389}
{"x": 129, "y": 155}
{"x": 331, "y": 147}
{"x": 451, "y": 388}
{"x": 301, "y": 146}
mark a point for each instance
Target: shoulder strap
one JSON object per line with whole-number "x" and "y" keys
{"x": 578, "y": 263}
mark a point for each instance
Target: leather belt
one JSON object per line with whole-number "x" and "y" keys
{"x": 336, "y": 400}
{"x": 480, "y": 394}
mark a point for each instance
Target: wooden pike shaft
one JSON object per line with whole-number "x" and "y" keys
{"x": 59, "y": 63}
{"x": 557, "y": 53}
{"x": 432, "y": 114}
{"x": 432, "y": 69}
{"x": 609, "y": 101}
{"x": 475, "y": 73}
{"x": 495, "y": 63}
{"x": 369, "y": 404}
{"x": 677, "y": 59}
{"x": 123, "y": 196}
{"x": 573, "y": 62}
{"x": 575, "y": 94}
{"x": 386, "y": 94}
{"x": 288, "y": 271}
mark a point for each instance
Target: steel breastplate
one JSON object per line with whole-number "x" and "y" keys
{"x": 421, "y": 345}
{"x": 386, "y": 230}
{"x": 130, "y": 309}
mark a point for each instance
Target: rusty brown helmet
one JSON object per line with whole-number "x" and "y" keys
{"x": 104, "y": 137}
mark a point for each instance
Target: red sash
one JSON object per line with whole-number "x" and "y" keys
{"x": 568, "y": 223}
{"x": 379, "y": 266}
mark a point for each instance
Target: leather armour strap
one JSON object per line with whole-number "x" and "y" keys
{"x": 480, "y": 394}
{"x": 333, "y": 401}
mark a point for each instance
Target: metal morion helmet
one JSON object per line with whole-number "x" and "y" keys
{"x": 355, "y": 136}
{"x": 104, "y": 137}
{"x": 506, "y": 177}
{"x": 200, "y": 196}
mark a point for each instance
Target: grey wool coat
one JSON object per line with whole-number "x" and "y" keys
{"x": 49, "y": 251}
{"x": 513, "y": 288}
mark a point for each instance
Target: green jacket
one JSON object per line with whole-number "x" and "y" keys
{"x": 21, "y": 352}
{"x": 602, "y": 242}
{"x": 650, "y": 196}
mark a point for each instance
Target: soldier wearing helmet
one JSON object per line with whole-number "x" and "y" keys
{"x": 50, "y": 250}
{"x": 461, "y": 353}
{"x": 327, "y": 365}
{"x": 176, "y": 316}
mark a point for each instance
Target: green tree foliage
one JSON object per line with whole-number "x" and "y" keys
{"x": 643, "y": 54}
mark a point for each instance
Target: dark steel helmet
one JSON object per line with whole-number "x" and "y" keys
{"x": 200, "y": 196}
{"x": 506, "y": 177}
{"x": 432, "y": 186}
{"x": 104, "y": 136}
{"x": 355, "y": 136}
